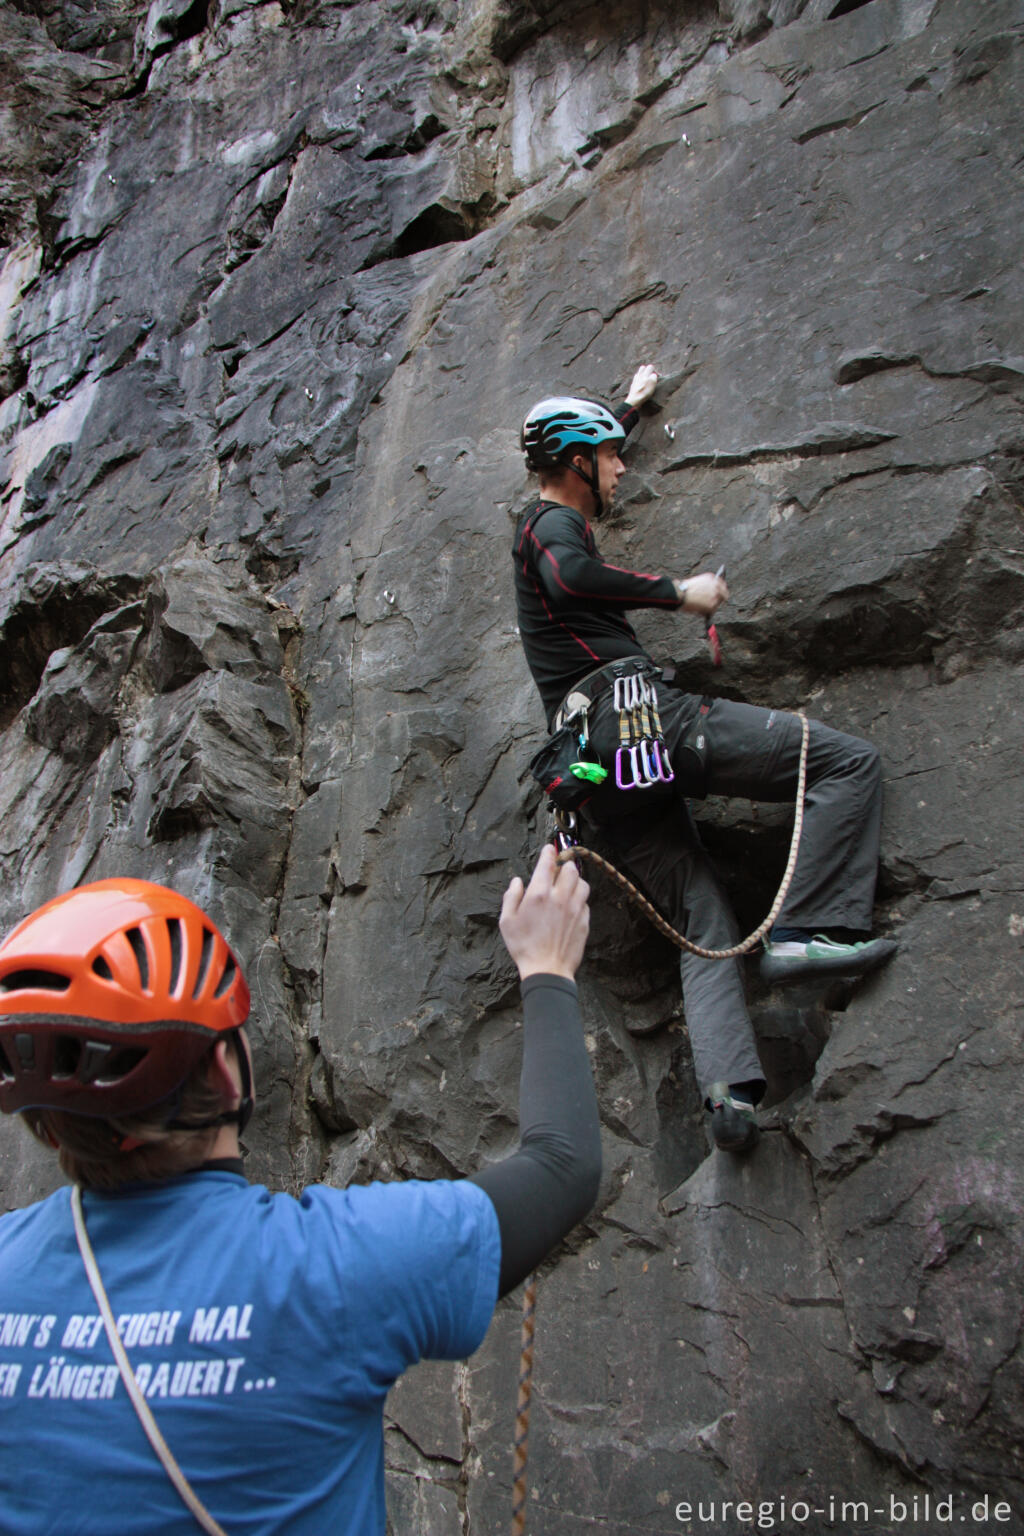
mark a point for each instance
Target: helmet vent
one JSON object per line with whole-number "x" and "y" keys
{"x": 138, "y": 945}
{"x": 228, "y": 977}
{"x": 103, "y": 1064}
{"x": 95, "y": 1056}
{"x": 205, "y": 956}
{"x": 97, "y": 1062}
{"x": 6, "y": 1070}
{"x": 67, "y": 1053}
{"x": 34, "y": 981}
{"x": 101, "y": 968}
{"x": 174, "y": 934}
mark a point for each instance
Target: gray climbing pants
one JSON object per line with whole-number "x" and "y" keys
{"x": 718, "y": 747}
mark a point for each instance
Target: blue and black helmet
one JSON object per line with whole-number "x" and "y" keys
{"x": 562, "y": 423}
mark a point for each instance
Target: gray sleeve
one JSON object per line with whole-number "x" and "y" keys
{"x": 550, "y": 1183}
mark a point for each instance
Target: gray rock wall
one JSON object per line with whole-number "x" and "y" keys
{"x": 276, "y": 286}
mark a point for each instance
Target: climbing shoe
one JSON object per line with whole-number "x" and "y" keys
{"x": 733, "y": 1122}
{"x": 793, "y": 960}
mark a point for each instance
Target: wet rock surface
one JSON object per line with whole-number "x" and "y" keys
{"x": 276, "y": 286}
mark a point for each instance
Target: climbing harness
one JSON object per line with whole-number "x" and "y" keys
{"x": 522, "y": 1430}
{"x": 149, "y": 1424}
{"x": 570, "y": 849}
{"x": 566, "y": 767}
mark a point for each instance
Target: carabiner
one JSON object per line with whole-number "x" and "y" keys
{"x": 566, "y": 829}
{"x": 651, "y": 763}
{"x": 619, "y": 756}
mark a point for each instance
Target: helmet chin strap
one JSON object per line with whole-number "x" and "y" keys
{"x": 591, "y": 480}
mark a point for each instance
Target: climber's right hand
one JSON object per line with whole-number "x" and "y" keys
{"x": 702, "y": 594}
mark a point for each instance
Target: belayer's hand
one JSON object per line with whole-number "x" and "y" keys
{"x": 645, "y": 382}
{"x": 703, "y": 593}
{"x": 545, "y": 924}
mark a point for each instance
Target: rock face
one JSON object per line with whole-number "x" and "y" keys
{"x": 277, "y": 286}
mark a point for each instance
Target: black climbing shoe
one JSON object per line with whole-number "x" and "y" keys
{"x": 820, "y": 956}
{"x": 733, "y": 1123}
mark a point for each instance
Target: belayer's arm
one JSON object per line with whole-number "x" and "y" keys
{"x": 551, "y": 1182}
{"x": 544, "y": 1188}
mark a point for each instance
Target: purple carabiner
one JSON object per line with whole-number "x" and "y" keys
{"x": 618, "y": 768}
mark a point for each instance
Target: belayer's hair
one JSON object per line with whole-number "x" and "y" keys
{"x": 92, "y": 1153}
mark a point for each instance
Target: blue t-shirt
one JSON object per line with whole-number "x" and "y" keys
{"x": 264, "y": 1332}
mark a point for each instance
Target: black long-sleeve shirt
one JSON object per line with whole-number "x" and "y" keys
{"x": 571, "y": 604}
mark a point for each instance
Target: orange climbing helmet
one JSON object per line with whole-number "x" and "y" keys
{"x": 109, "y": 996}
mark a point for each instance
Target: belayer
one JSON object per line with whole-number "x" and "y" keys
{"x": 641, "y": 746}
{"x": 262, "y": 1332}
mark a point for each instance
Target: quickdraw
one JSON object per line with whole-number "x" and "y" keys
{"x": 642, "y": 759}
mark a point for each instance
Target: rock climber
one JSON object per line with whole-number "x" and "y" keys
{"x": 572, "y": 611}
{"x": 263, "y": 1331}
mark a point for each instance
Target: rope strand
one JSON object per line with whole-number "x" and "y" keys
{"x": 522, "y": 1430}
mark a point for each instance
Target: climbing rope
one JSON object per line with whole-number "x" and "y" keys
{"x": 522, "y": 1431}
{"x": 577, "y": 851}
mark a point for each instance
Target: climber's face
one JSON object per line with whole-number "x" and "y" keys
{"x": 610, "y": 470}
